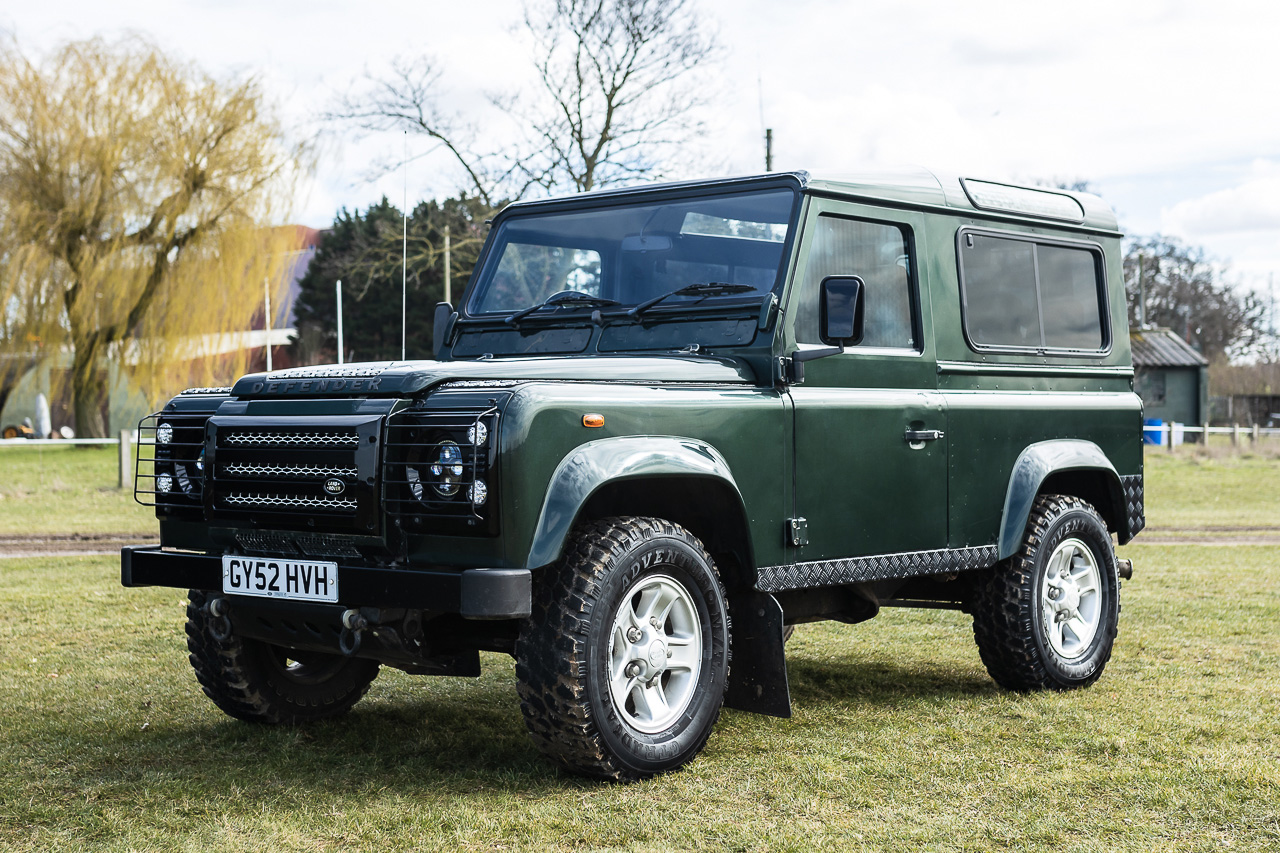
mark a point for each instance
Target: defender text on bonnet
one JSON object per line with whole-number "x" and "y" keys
{"x": 664, "y": 424}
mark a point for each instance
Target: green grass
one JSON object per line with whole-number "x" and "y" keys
{"x": 899, "y": 741}
{"x": 72, "y": 490}
{"x": 1194, "y": 494}
{"x": 49, "y": 489}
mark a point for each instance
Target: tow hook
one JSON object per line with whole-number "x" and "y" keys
{"x": 218, "y": 610}
{"x": 1124, "y": 568}
{"x": 353, "y": 627}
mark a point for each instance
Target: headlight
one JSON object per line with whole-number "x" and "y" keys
{"x": 190, "y": 473}
{"x": 443, "y": 472}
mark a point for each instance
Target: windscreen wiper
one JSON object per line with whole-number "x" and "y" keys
{"x": 713, "y": 288}
{"x": 563, "y": 297}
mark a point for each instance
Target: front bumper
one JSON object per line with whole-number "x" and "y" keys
{"x": 471, "y": 593}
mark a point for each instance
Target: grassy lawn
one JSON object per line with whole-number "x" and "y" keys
{"x": 1188, "y": 493}
{"x": 48, "y": 489}
{"x": 1191, "y": 493}
{"x": 900, "y": 740}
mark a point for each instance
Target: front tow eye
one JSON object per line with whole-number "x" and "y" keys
{"x": 353, "y": 626}
{"x": 218, "y": 610}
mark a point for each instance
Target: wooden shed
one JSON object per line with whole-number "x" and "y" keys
{"x": 1171, "y": 376}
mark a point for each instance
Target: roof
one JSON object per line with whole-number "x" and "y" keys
{"x": 1163, "y": 348}
{"x": 910, "y": 186}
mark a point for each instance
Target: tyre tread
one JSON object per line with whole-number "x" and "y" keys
{"x": 1003, "y": 605}
{"x": 553, "y": 687}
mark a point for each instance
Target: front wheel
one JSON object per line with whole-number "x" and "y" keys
{"x": 1047, "y": 617}
{"x": 623, "y": 662}
{"x": 259, "y": 682}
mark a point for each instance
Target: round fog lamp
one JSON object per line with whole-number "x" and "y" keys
{"x": 164, "y": 483}
{"x": 164, "y": 434}
{"x": 478, "y": 493}
{"x": 478, "y": 434}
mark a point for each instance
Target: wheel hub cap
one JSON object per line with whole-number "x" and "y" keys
{"x": 1071, "y": 599}
{"x": 655, "y": 653}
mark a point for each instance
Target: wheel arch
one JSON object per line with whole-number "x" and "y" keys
{"x": 1062, "y": 466}
{"x": 679, "y": 479}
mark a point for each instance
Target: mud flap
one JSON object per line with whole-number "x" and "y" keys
{"x": 758, "y": 670}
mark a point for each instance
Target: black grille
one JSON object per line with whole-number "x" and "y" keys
{"x": 439, "y": 471}
{"x": 274, "y": 543}
{"x": 287, "y": 472}
{"x": 169, "y": 469}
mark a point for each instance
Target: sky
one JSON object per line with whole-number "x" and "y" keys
{"x": 1169, "y": 109}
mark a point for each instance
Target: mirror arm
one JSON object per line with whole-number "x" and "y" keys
{"x": 795, "y": 364}
{"x": 813, "y": 354}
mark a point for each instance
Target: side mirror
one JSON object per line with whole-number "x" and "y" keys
{"x": 441, "y": 325}
{"x": 840, "y": 313}
{"x": 841, "y": 310}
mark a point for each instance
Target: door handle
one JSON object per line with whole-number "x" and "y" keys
{"x": 913, "y": 435}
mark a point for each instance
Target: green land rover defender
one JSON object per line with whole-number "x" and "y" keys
{"x": 664, "y": 424}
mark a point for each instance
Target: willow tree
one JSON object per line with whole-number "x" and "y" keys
{"x": 135, "y": 195}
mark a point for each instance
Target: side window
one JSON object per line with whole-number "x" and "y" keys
{"x": 876, "y": 251}
{"x": 1021, "y": 293}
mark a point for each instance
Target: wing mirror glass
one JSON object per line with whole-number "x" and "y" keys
{"x": 441, "y": 326}
{"x": 842, "y": 308}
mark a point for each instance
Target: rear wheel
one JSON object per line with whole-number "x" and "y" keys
{"x": 623, "y": 663}
{"x": 1047, "y": 617}
{"x": 263, "y": 683}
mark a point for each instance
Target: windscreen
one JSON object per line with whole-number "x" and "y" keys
{"x": 634, "y": 252}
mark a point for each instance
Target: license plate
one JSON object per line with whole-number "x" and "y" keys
{"x": 268, "y": 577}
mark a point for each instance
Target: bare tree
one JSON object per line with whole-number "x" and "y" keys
{"x": 617, "y": 99}
{"x": 616, "y": 75}
{"x": 406, "y": 99}
{"x": 1186, "y": 293}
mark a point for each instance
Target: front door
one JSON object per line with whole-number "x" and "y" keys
{"x": 870, "y": 426}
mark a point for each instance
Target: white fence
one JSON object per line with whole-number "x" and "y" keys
{"x": 1171, "y": 435}
{"x": 126, "y": 441}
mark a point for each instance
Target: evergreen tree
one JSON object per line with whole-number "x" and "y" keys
{"x": 363, "y": 250}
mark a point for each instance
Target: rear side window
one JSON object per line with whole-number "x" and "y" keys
{"x": 1021, "y": 293}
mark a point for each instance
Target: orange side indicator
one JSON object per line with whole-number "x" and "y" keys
{"x": 593, "y": 420}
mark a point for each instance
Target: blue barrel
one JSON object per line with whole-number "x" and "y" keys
{"x": 1153, "y": 432}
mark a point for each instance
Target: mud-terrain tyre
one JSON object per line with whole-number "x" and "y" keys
{"x": 259, "y": 682}
{"x": 623, "y": 663}
{"x": 1038, "y": 628}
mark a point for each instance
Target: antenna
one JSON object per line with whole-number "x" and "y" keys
{"x": 404, "y": 254}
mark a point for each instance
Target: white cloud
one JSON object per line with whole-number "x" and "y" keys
{"x": 1249, "y": 207}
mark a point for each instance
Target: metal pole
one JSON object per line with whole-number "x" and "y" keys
{"x": 339, "y": 288}
{"x": 448, "y": 271}
{"x": 266, "y": 289}
{"x": 768, "y": 149}
{"x": 126, "y": 456}
{"x": 1142, "y": 295}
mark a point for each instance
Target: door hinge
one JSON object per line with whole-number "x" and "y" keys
{"x": 798, "y": 531}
